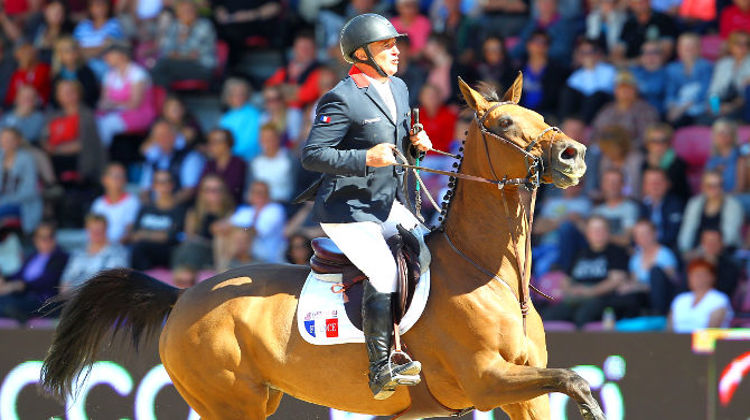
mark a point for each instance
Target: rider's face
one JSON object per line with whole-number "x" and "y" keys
{"x": 385, "y": 53}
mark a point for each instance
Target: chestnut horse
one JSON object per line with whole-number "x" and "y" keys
{"x": 231, "y": 343}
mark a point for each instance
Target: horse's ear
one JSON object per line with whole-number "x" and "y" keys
{"x": 474, "y": 99}
{"x": 513, "y": 94}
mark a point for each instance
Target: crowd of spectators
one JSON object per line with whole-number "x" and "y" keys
{"x": 98, "y": 135}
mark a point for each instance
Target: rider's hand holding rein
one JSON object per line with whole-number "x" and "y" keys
{"x": 421, "y": 141}
{"x": 381, "y": 155}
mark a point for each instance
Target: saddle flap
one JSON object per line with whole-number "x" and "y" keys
{"x": 325, "y": 249}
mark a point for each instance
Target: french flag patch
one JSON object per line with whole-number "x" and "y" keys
{"x": 325, "y": 119}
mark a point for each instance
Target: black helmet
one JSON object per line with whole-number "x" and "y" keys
{"x": 362, "y": 30}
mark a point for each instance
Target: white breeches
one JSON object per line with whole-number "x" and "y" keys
{"x": 364, "y": 244}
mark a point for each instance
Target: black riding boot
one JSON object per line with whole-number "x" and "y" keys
{"x": 377, "y": 325}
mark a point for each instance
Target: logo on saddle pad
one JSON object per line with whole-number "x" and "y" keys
{"x": 332, "y": 327}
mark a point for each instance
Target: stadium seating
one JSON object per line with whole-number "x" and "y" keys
{"x": 193, "y": 85}
{"x": 7, "y": 323}
{"x": 711, "y": 47}
{"x": 693, "y": 144}
{"x": 559, "y": 326}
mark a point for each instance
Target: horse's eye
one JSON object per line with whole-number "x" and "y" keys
{"x": 504, "y": 122}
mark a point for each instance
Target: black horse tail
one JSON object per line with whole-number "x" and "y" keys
{"x": 113, "y": 301}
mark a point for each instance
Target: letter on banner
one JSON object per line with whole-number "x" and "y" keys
{"x": 24, "y": 374}
{"x": 109, "y": 373}
{"x": 156, "y": 379}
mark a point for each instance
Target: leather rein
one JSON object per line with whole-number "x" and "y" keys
{"x": 532, "y": 180}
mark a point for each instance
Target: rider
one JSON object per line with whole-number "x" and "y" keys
{"x": 358, "y": 126}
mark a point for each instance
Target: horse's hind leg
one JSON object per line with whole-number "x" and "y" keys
{"x": 243, "y": 400}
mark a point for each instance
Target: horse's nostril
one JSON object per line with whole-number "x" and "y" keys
{"x": 568, "y": 153}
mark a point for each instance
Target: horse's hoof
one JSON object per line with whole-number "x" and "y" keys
{"x": 591, "y": 412}
{"x": 407, "y": 380}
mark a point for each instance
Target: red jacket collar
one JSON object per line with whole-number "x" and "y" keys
{"x": 359, "y": 77}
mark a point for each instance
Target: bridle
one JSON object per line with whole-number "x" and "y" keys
{"x": 531, "y": 182}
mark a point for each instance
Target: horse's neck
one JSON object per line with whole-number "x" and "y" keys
{"x": 479, "y": 226}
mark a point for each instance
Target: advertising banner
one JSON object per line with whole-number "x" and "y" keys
{"x": 634, "y": 376}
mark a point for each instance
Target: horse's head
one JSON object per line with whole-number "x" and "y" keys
{"x": 510, "y": 130}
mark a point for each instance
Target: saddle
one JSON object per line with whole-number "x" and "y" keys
{"x": 328, "y": 259}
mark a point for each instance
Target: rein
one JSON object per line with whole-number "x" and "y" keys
{"x": 534, "y": 169}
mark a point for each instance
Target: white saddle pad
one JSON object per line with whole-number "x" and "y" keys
{"x": 322, "y": 319}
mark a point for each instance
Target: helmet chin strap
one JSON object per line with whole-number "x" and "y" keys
{"x": 370, "y": 61}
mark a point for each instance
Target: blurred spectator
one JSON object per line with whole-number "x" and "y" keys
{"x": 688, "y": 79}
{"x": 7, "y": 67}
{"x": 662, "y": 209}
{"x": 590, "y": 286}
{"x": 604, "y": 23}
{"x": 71, "y": 138}
{"x": 438, "y": 119}
{"x": 613, "y": 149}
{"x": 645, "y": 24}
{"x": 712, "y": 249}
{"x": 619, "y": 211}
{"x": 67, "y": 64}
{"x": 213, "y": 203}
{"x": 117, "y": 205}
{"x": 174, "y": 111}
{"x": 303, "y": 222}
{"x": 543, "y": 79}
{"x": 734, "y": 17}
{"x": 731, "y": 76}
{"x": 231, "y": 169}
{"x": 23, "y": 294}
{"x": 703, "y": 306}
{"x": 125, "y": 104}
{"x": 444, "y": 69}
{"x": 410, "y": 71}
{"x": 274, "y": 165}
{"x": 590, "y": 86}
{"x": 651, "y": 75}
{"x": 409, "y": 21}
{"x": 696, "y": 15}
{"x": 505, "y": 18}
{"x": 11, "y": 249}
{"x": 25, "y": 115}
{"x": 562, "y": 32}
{"x": 187, "y": 49}
{"x": 30, "y": 72}
{"x": 157, "y": 225}
{"x": 653, "y": 272}
{"x": 241, "y": 21}
{"x": 299, "y": 250}
{"x": 240, "y": 247}
{"x": 331, "y": 21}
{"x": 19, "y": 193}
{"x": 184, "y": 164}
{"x": 98, "y": 255}
{"x": 299, "y": 77}
{"x": 660, "y": 154}
{"x": 712, "y": 209}
{"x": 184, "y": 276}
{"x": 726, "y": 156}
{"x": 287, "y": 121}
{"x": 559, "y": 223}
{"x": 495, "y": 66}
{"x": 242, "y": 118}
{"x": 449, "y": 18}
{"x": 97, "y": 32}
{"x": 48, "y": 27}
{"x": 627, "y": 110}
{"x": 263, "y": 218}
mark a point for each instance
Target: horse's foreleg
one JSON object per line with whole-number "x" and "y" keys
{"x": 534, "y": 409}
{"x": 503, "y": 383}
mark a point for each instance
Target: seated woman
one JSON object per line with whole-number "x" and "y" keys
{"x": 231, "y": 169}
{"x": 614, "y": 149}
{"x": 241, "y": 118}
{"x": 45, "y": 29}
{"x": 730, "y": 78}
{"x": 187, "y": 49}
{"x": 25, "y": 115}
{"x": 96, "y": 33}
{"x": 29, "y": 72}
{"x": 19, "y": 195}
{"x": 157, "y": 225}
{"x": 68, "y": 64}
{"x": 125, "y": 104}
{"x": 703, "y": 306}
{"x": 68, "y": 133}
{"x": 712, "y": 209}
{"x": 176, "y": 113}
{"x": 212, "y": 204}
{"x": 99, "y": 255}
{"x": 726, "y": 157}
{"x": 22, "y": 294}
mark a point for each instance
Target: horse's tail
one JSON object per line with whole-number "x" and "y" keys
{"x": 118, "y": 300}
